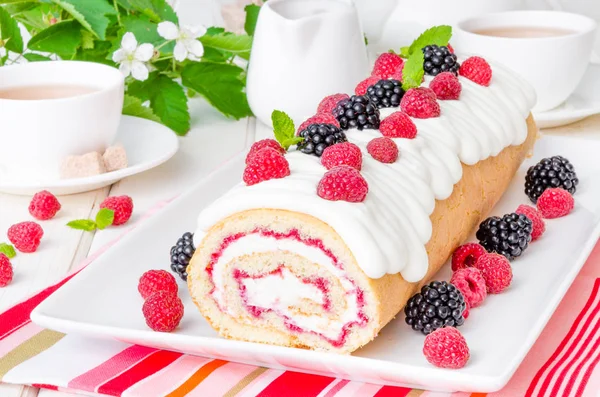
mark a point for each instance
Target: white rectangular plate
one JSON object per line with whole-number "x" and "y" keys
{"x": 102, "y": 301}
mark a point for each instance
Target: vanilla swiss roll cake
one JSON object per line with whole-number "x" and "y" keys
{"x": 278, "y": 264}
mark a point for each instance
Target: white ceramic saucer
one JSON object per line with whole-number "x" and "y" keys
{"x": 147, "y": 143}
{"x": 584, "y": 102}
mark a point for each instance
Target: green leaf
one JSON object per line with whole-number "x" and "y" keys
{"x": 214, "y": 55}
{"x": 31, "y": 57}
{"x": 104, "y": 218}
{"x": 7, "y": 250}
{"x": 142, "y": 27}
{"x": 252, "y": 11}
{"x": 412, "y": 74}
{"x": 284, "y": 129}
{"x": 405, "y": 52}
{"x": 14, "y": 1}
{"x": 100, "y": 53}
{"x": 10, "y": 32}
{"x": 214, "y": 30}
{"x": 438, "y": 35}
{"x": 62, "y": 39}
{"x": 221, "y": 84}
{"x": 156, "y": 10}
{"x": 167, "y": 100}
{"x": 83, "y": 224}
{"x": 19, "y": 7}
{"x": 92, "y": 14}
{"x": 87, "y": 40}
{"x": 233, "y": 43}
{"x": 132, "y": 106}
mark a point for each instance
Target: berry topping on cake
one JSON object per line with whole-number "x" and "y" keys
{"x": 450, "y": 48}
{"x": 163, "y": 311}
{"x": 362, "y": 87}
{"x": 26, "y": 236}
{"x": 181, "y": 254}
{"x": 438, "y": 59}
{"x": 318, "y": 137}
{"x": 398, "y": 73}
{"x": 156, "y": 280}
{"x": 330, "y": 102}
{"x": 536, "y": 218}
{"x": 357, "y": 112}
{"x": 477, "y": 70}
{"x": 446, "y": 86}
{"x": 321, "y": 118}
{"x": 439, "y": 304}
{"x": 467, "y": 311}
{"x": 386, "y": 65}
{"x": 263, "y": 143}
{"x": 508, "y": 236}
{"x": 386, "y": 93}
{"x": 122, "y": 207}
{"x": 471, "y": 284}
{"x": 44, "y": 205}
{"x": 554, "y": 171}
{"x": 466, "y": 255}
{"x": 383, "y": 149}
{"x": 446, "y": 348}
{"x": 555, "y": 203}
{"x": 398, "y": 125}
{"x": 344, "y": 153}
{"x": 6, "y": 271}
{"x": 343, "y": 183}
{"x": 266, "y": 164}
{"x": 496, "y": 272}
{"x": 420, "y": 103}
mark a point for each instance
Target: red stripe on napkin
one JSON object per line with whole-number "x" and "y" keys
{"x": 296, "y": 384}
{"x": 391, "y": 391}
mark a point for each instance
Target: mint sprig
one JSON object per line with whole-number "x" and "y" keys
{"x": 7, "y": 250}
{"x": 413, "y": 72}
{"x": 438, "y": 35}
{"x": 284, "y": 129}
{"x": 104, "y": 218}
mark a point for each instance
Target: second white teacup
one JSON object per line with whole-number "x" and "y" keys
{"x": 550, "y": 49}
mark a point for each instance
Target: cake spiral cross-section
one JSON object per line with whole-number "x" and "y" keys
{"x": 278, "y": 264}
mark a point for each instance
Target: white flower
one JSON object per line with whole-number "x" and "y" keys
{"x": 132, "y": 58}
{"x": 187, "y": 45}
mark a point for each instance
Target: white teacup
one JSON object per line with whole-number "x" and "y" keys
{"x": 76, "y": 109}
{"x": 553, "y": 61}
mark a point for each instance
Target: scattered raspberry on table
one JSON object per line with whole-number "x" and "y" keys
{"x": 44, "y": 205}
{"x": 6, "y": 271}
{"x": 121, "y": 205}
{"x": 26, "y": 236}
{"x": 157, "y": 280}
{"x": 163, "y": 311}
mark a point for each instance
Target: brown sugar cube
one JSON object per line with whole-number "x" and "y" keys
{"x": 115, "y": 158}
{"x": 88, "y": 164}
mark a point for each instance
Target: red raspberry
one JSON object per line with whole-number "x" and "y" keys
{"x": 163, "y": 311}
{"x": 258, "y": 145}
{"x": 467, "y": 311}
{"x": 44, "y": 205}
{"x": 398, "y": 125}
{"x": 386, "y": 65}
{"x": 26, "y": 236}
{"x": 536, "y": 218}
{"x": 446, "y": 348}
{"x": 343, "y": 183}
{"x": 383, "y": 149}
{"x": 361, "y": 88}
{"x": 471, "y": 284}
{"x": 555, "y": 202}
{"x": 344, "y": 153}
{"x": 466, "y": 255}
{"x": 420, "y": 103}
{"x": 321, "y": 118}
{"x": 6, "y": 271}
{"x": 450, "y": 48}
{"x": 496, "y": 272}
{"x": 398, "y": 73}
{"x": 156, "y": 280}
{"x": 266, "y": 164}
{"x": 477, "y": 70}
{"x": 330, "y": 102}
{"x": 446, "y": 86}
{"x": 121, "y": 205}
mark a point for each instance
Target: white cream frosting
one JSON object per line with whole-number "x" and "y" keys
{"x": 387, "y": 232}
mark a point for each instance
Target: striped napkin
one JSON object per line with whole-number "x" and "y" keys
{"x": 563, "y": 361}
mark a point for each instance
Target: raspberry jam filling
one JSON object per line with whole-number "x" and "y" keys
{"x": 315, "y": 288}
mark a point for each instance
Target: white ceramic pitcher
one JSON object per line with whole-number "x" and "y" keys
{"x": 304, "y": 50}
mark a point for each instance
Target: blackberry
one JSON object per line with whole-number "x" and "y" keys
{"x": 438, "y": 60}
{"x": 181, "y": 254}
{"x": 357, "y": 112}
{"x": 318, "y": 137}
{"x": 386, "y": 93}
{"x": 508, "y": 236}
{"x": 439, "y": 304}
{"x": 554, "y": 171}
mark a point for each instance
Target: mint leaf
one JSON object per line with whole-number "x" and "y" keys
{"x": 10, "y": 33}
{"x": 252, "y": 11}
{"x": 405, "y": 52}
{"x": 7, "y": 250}
{"x": 83, "y": 224}
{"x": 221, "y": 84}
{"x": 31, "y": 57}
{"x": 91, "y": 14}
{"x": 104, "y": 218}
{"x": 438, "y": 35}
{"x": 156, "y": 10}
{"x": 412, "y": 74}
{"x": 132, "y": 106}
{"x": 284, "y": 129}
{"x": 239, "y": 44}
{"x": 62, "y": 39}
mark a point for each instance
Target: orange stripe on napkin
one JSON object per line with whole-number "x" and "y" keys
{"x": 196, "y": 378}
